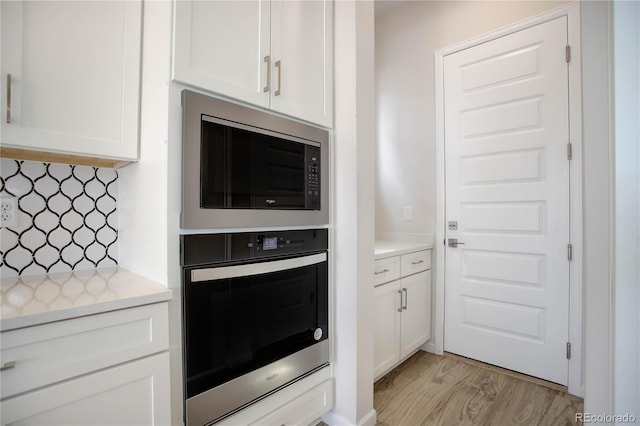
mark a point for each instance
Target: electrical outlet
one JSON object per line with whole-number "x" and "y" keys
{"x": 8, "y": 211}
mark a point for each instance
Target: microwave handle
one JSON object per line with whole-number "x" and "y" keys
{"x": 247, "y": 270}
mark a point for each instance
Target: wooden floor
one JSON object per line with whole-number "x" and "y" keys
{"x": 433, "y": 390}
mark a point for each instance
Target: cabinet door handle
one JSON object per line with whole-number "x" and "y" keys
{"x": 279, "y": 66}
{"x": 418, "y": 262}
{"x": 381, "y": 272}
{"x": 406, "y": 296}
{"x": 400, "y": 293}
{"x": 8, "y": 366}
{"x": 267, "y": 59}
{"x": 8, "y": 97}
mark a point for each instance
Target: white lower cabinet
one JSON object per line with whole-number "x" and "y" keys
{"x": 135, "y": 393}
{"x": 403, "y": 311}
{"x": 304, "y": 409}
{"x": 105, "y": 369}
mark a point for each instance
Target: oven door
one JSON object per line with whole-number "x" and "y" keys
{"x": 246, "y": 318}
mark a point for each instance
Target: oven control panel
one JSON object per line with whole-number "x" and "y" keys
{"x": 202, "y": 249}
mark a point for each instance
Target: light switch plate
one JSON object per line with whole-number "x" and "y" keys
{"x": 407, "y": 213}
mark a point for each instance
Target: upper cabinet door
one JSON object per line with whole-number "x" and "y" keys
{"x": 302, "y": 55}
{"x": 223, "y": 47}
{"x": 273, "y": 54}
{"x": 74, "y": 84}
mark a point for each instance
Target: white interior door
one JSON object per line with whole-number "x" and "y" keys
{"x": 507, "y": 187}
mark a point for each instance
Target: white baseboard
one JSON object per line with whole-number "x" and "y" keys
{"x": 334, "y": 419}
{"x": 430, "y": 347}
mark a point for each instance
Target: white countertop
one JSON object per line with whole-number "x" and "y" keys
{"x": 384, "y": 249}
{"x": 38, "y": 299}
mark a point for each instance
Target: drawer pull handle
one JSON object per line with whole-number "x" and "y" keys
{"x": 418, "y": 262}
{"x": 279, "y": 66}
{"x": 406, "y": 296}
{"x": 384, "y": 271}
{"x": 8, "y": 365}
{"x": 267, "y": 59}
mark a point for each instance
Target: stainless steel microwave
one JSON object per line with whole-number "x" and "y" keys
{"x": 244, "y": 167}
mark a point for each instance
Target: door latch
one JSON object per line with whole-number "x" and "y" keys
{"x": 453, "y": 242}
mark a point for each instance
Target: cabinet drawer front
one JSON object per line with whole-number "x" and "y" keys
{"x": 304, "y": 409}
{"x": 50, "y": 353}
{"x": 135, "y": 393}
{"x": 416, "y": 262}
{"x": 386, "y": 270}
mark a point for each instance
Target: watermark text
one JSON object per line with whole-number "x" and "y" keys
{"x": 605, "y": 418}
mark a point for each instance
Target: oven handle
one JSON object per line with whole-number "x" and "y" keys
{"x": 223, "y": 272}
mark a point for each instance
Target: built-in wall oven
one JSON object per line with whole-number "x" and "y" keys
{"x": 244, "y": 167}
{"x": 255, "y": 319}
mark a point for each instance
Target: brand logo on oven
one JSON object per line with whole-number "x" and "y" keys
{"x": 270, "y": 201}
{"x": 273, "y": 375}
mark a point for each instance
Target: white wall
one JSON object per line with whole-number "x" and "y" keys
{"x": 143, "y": 195}
{"x": 352, "y": 215}
{"x": 597, "y": 205}
{"x": 406, "y": 37}
{"x": 626, "y": 53}
{"x": 149, "y": 199}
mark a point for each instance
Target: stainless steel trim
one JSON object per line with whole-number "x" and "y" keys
{"x": 279, "y": 66}
{"x": 237, "y": 393}
{"x": 195, "y": 105}
{"x": 406, "y": 297}
{"x": 381, "y": 272}
{"x": 267, "y": 59}
{"x": 8, "y": 97}
{"x": 400, "y": 293}
{"x": 223, "y": 272}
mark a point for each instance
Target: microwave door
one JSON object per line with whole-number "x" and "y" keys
{"x": 279, "y": 174}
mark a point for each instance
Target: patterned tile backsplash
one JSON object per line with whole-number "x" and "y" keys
{"x": 67, "y": 218}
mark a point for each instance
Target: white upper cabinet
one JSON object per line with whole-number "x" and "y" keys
{"x": 71, "y": 76}
{"x": 221, "y": 46}
{"x": 300, "y": 38}
{"x": 273, "y": 54}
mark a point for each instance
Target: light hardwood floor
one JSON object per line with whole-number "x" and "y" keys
{"x": 447, "y": 390}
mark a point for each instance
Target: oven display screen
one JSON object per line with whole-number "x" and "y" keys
{"x": 270, "y": 243}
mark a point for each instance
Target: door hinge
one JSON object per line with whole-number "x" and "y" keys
{"x": 569, "y": 151}
{"x": 568, "y": 53}
{"x": 569, "y": 252}
{"x": 568, "y": 350}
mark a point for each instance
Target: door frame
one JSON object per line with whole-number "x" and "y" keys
{"x": 572, "y": 12}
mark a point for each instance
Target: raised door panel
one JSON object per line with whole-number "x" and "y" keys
{"x": 75, "y": 76}
{"x": 416, "y": 312}
{"x": 136, "y": 393}
{"x": 386, "y": 327}
{"x": 221, "y": 46}
{"x": 301, "y": 49}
